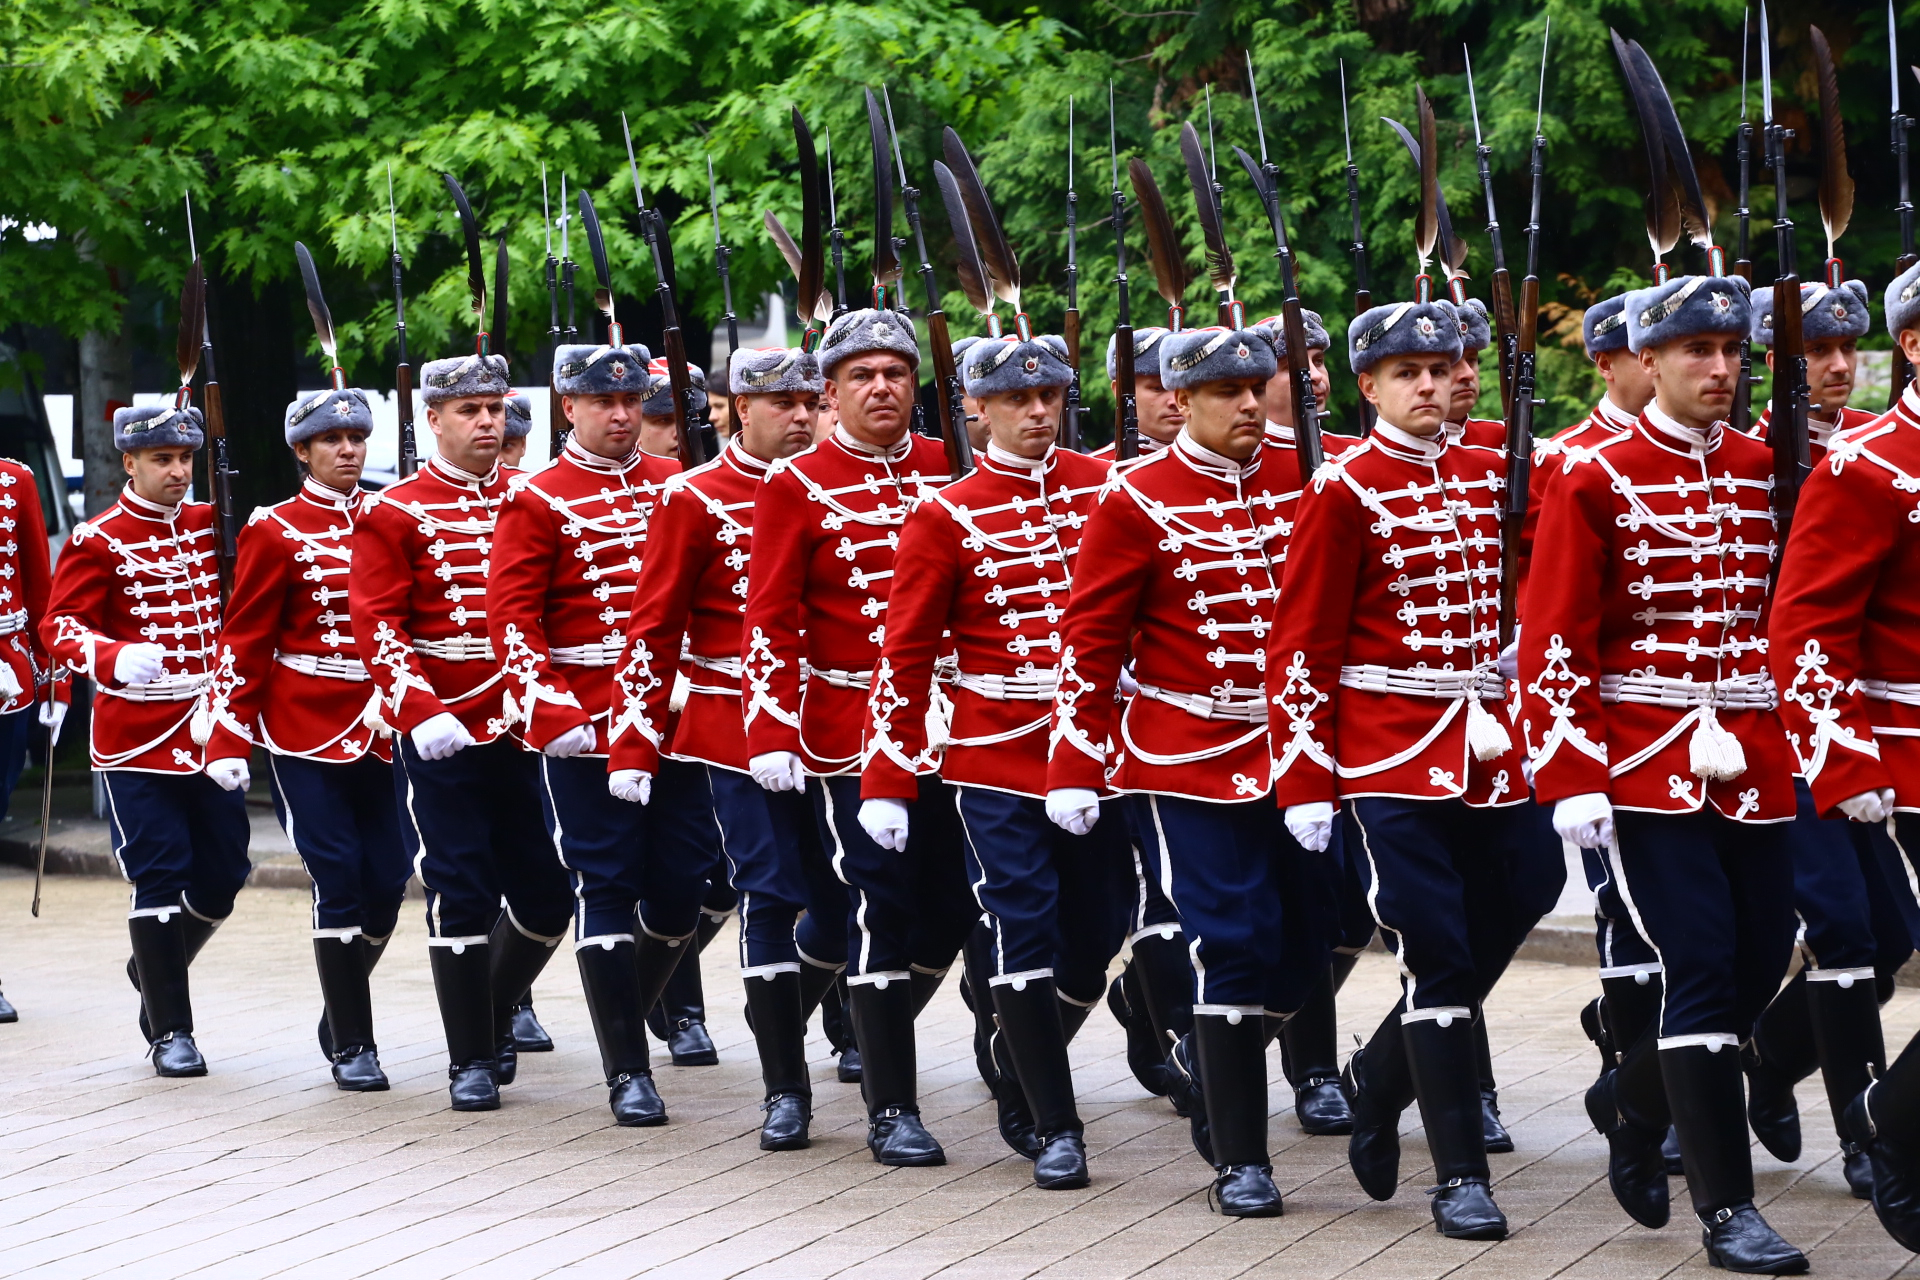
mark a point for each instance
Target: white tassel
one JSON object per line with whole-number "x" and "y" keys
{"x": 200, "y": 723}
{"x": 372, "y": 718}
{"x": 1713, "y": 753}
{"x": 682, "y": 687}
{"x": 9, "y": 683}
{"x": 939, "y": 720}
{"x": 1486, "y": 735}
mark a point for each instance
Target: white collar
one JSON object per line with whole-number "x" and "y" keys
{"x": 1419, "y": 448}
{"x": 736, "y": 454}
{"x": 325, "y": 496}
{"x": 1014, "y": 462}
{"x": 1206, "y": 460}
{"x": 892, "y": 453}
{"x": 587, "y": 460}
{"x": 450, "y": 472}
{"x": 139, "y": 506}
{"x": 1280, "y": 434}
{"x": 1454, "y": 430}
{"x": 1613, "y": 414}
{"x": 1698, "y": 443}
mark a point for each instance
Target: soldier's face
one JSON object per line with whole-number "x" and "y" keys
{"x": 660, "y": 435}
{"x": 469, "y": 431}
{"x": 1160, "y": 416}
{"x": 777, "y": 425}
{"x": 605, "y": 425}
{"x": 1024, "y": 422}
{"x": 1832, "y": 364}
{"x": 1693, "y": 377}
{"x": 873, "y": 394}
{"x": 160, "y": 475}
{"x": 335, "y": 458}
{"x": 977, "y": 431}
{"x": 512, "y": 449}
{"x": 1629, "y": 385}
{"x": 1412, "y": 392}
{"x": 1227, "y": 416}
{"x": 1466, "y": 386}
{"x": 1280, "y": 387}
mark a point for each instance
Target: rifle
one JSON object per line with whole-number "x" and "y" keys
{"x": 691, "y": 425}
{"x": 1902, "y": 371}
{"x": 1836, "y": 184}
{"x": 1513, "y": 513}
{"x": 556, "y": 413}
{"x": 1070, "y": 326}
{"x": 403, "y": 372}
{"x": 1126, "y": 440}
{"x": 1741, "y": 415}
{"x": 953, "y": 418}
{"x": 887, "y": 268}
{"x": 1362, "y": 294}
{"x": 1503, "y": 314}
{"x": 1787, "y": 432}
{"x": 220, "y": 472}
{"x": 720, "y": 255}
{"x": 834, "y": 234}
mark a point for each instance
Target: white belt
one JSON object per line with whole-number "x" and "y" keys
{"x": 606, "y": 653}
{"x": 728, "y": 666}
{"x": 12, "y": 622}
{"x": 1425, "y": 682}
{"x": 457, "y": 649}
{"x": 1906, "y": 693}
{"x": 332, "y": 666}
{"x": 842, "y": 679}
{"x": 1741, "y": 693}
{"x": 1039, "y": 686}
{"x": 165, "y": 689}
{"x": 1207, "y": 708}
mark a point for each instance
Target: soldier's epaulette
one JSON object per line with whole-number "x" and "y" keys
{"x": 373, "y": 500}
{"x": 778, "y": 465}
{"x": 521, "y": 479}
{"x": 1331, "y": 469}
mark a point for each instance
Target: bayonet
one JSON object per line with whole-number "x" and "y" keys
{"x": 1362, "y": 292}
{"x": 1126, "y": 438}
{"x": 834, "y": 233}
{"x": 1787, "y": 420}
{"x": 1503, "y": 309}
{"x": 556, "y": 413}
{"x": 691, "y": 425}
{"x": 1520, "y": 414}
{"x": 1070, "y": 416}
{"x": 403, "y": 372}
{"x": 220, "y": 472}
{"x": 1743, "y": 214}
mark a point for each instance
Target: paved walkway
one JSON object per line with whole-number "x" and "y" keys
{"x": 263, "y": 1169}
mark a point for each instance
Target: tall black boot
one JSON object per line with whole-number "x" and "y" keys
{"x": 342, "y": 965}
{"x": 1378, "y": 1086}
{"x": 815, "y": 982}
{"x": 528, "y": 1035}
{"x": 1342, "y": 965}
{"x": 7, "y": 1012}
{"x": 1446, "y": 1080}
{"x": 1146, "y": 1047}
{"x": 160, "y": 960}
{"x": 195, "y": 933}
{"x": 924, "y": 986}
{"x": 1703, "y": 1093}
{"x": 371, "y": 950}
{"x": 1233, "y": 1085}
{"x": 1885, "y": 1119}
{"x": 836, "y": 1024}
{"x": 775, "y": 1002}
{"x": 1493, "y": 1133}
{"x": 1630, "y": 1007}
{"x": 654, "y": 960}
{"x": 883, "y": 1024}
{"x": 976, "y": 987}
{"x": 1073, "y": 1016}
{"x": 1308, "y": 1054}
{"x": 1779, "y": 1055}
{"x": 1853, "y": 1053}
{"x": 1036, "y": 1044}
{"x": 680, "y": 1018}
{"x": 1627, "y": 1104}
{"x": 461, "y": 986}
{"x": 516, "y": 961}
{"x": 611, "y": 980}
{"x": 1166, "y": 984}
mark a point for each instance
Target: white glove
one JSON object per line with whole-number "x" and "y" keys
{"x": 1586, "y": 822}
{"x": 1869, "y": 806}
{"x": 53, "y": 715}
{"x": 576, "y": 741}
{"x": 1509, "y": 663}
{"x": 230, "y": 773}
{"x": 1128, "y": 685}
{"x": 1073, "y": 809}
{"x": 439, "y": 736}
{"x": 630, "y": 785}
{"x": 140, "y": 663}
{"x": 1311, "y": 824}
{"x": 778, "y": 771}
{"x": 885, "y": 821}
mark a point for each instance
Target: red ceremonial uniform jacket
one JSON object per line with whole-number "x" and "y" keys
{"x": 1819, "y": 434}
{"x": 1174, "y": 564}
{"x": 1487, "y": 433}
{"x": 1110, "y": 451}
{"x": 1549, "y": 458}
{"x": 1646, "y": 625}
{"x": 25, "y": 579}
{"x": 423, "y": 548}
{"x": 989, "y": 559}
{"x": 1388, "y": 634}
{"x": 1844, "y": 635}
{"x": 692, "y": 591}
{"x": 826, "y": 526}
{"x": 288, "y": 664}
{"x": 140, "y": 572}
{"x": 559, "y": 599}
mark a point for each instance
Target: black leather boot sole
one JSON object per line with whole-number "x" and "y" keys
{"x": 900, "y": 1140}
{"x": 691, "y": 1046}
{"x": 1492, "y": 1132}
{"x": 846, "y": 1067}
{"x": 1145, "y": 1057}
{"x": 7, "y": 1012}
{"x": 1061, "y": 1164}
{"x": 528, "y": 1035}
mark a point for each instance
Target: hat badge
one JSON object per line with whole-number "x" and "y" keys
{"x": 1839, "y": 311}
{"x": 619, "y": 369}
{"x": 881, "y": 331}
{"x": 1031, "y": 364}
{"x": 1721, "y": 303}
{"x": 1425, "y": 325}
{"x": 342, "y": 408}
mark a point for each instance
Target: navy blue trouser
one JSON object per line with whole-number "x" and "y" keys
{"x": 1150, "y": 906}
{"x": 911, "y": 910}
{"x": 1350, "y": 911}
{"x": 179, "y": 839}
{"x": 1897, "y": 850}
{"x": 776, "y": 863}
{"x": 1456, "y": 888}
{"x": 1623, "y": 952}
{"x": 17, "y": 729}
{"x": 1055, "y": 901}
{"x": 474, "y": 822}
{"x": 1225, "y": 868}
{"x": 1851, "y": 918}
{"x": 1715, "y": 898}
{"x": 624, "y": 857}
{"x": 344, "y": 823}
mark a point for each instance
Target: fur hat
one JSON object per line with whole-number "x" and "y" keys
{"x": 317, "y": 414}
{"x": 1824, "y": 313}
{"x": 519, "y": 418}
{"x": 765, "y": 370}
{"x": 1684, "y": 306}
{"x": 960, "y": 349}
{"x": 1403, "y": 329}
{"x": 1604, "y": 326}
{"x": 999, "y": 365}
{"x": 659, "y": 402}
{"x": 869, "y": 329}
{"x": 1903, "y": 302}
{"x": 1193, "y": 356}
{"x": 1146, "y": 352}
{"x": 1275, "y": 329}
{"x": 157, "y": 426}
{"x": 585, "y": 370}
{"x": 461, "y": 376}
{"x": 1476, "y": 331}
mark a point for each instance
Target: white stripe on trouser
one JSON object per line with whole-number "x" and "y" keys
{"x": 1373, "y": 909}
{"x": 529, "y": 934}
{"x": 1842, "y": 978}
{"x": 1164, "y": 932}
{"x": 560, "y": 852}
{"x": 1713, "y": 1041}
{"x": 347, "y": 934}
{"x": 973, "y": 854}
{"x": 420, "y": 861}
{"x": 817, "y": 964}
{"x": 1906, "y": 859}
{"x": 1633, "y": 910}
{"x": 1166, "y": 887}
{"x": 840, "y": 874}
{"x": 286, "y": 825}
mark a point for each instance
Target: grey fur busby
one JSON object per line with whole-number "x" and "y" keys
{"x": 157, "y": 426}
{"x": 462, "y": 376}
{"x": 1903, "y": 302}
{"x": 519, "y": 418}
{"x": 765, "y": 370}
{"x": 1146, "y": 352}
{"x": 1825, "y": 314}
{"x": 325, "y": 411}
{"x": 659, "y": 401}
{"x": 960, "y": 348}
{"x": 1275, "y": 329}
{"x": 1194, "y": 356}
{"x": 1403, "y": 329}
{"x": 1604, "y": 326}
{"x": 996, "y": 366}
{"x": 868, "y": 329}
{"x": 1684, "y": 306}
{"x": 1476, "y": 331}
{"x": 585, "y": 370}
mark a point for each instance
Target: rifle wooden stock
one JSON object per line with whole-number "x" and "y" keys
{"x": 1787, "y": 431}
{"x": 1507, "y": 333}
{"x": 688, "y": 431}
{"x": 403, "y": 397}
{"x": 1070, "y": 414}
{"x": 953, "y": 420}
{"x": 1901, "y": 370}
{"x": 1126, "y": 438}
{"x": 1513, "y": 507}
{"x": 1363, "y": 303}
{"x": 220, "y": 474}
{"x": 1306, "y": 414}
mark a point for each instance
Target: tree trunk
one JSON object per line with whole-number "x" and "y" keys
{"x": 106, "y": 384}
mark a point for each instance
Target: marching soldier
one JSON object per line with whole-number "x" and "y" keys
{"x": 1655, "y": 736}
{"x": 1175, "y": 563}
{"x": 136, "y": 606}
{"x": 693, "y": 591}
{"x": 1476, "y": 331}
{"x": 659, "y": 419}
{"x": 976, "y": 420}
{"x": 827, "y": 524}
{"x": 292, "y": 681}
{"x": 1832, "y": 322}
{"x": 990, "y": 560}
{"x": 423, "y": 549}
{"x": 513, "y": 442}
{"x": 1158, "y": 416}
